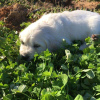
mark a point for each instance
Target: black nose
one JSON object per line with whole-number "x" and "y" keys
{"x": 26, "y": 57}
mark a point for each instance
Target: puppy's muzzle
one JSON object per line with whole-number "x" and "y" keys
{"x": 26, "y": 57}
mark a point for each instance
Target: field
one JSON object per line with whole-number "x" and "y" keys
{"x": 68, "y": 74}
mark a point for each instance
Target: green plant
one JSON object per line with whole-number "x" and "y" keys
{"x": 63, "y": 75}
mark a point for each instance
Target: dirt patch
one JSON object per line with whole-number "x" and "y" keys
{"x": 4, "y": 12}
{"x": 13, "y": 15}
{"x": 85, "y": 5}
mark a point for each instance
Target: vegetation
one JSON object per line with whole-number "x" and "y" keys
{"x": 62, "y": 75}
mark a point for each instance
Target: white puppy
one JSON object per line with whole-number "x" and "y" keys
{"x": 50, "y": 29}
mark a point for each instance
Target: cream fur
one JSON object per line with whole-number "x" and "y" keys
{"x": 50, "y": 29}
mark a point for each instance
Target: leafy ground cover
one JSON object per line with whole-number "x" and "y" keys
{"x": 63, "y": 75}
{"x": 68, "y": 74}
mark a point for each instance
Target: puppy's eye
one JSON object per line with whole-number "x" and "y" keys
{"x": 36, "y": 45}
{"x": 22, "y": 42}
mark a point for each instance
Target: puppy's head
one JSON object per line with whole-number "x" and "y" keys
{"x": 32, "y": 40}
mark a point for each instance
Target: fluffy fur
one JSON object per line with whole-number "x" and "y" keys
{"x": 50, "y": 29}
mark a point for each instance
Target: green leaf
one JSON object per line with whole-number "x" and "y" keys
{"x": 88, "y": 40}
{"x": 18, "y": 42}
{"x": 93, "y": 98}
{"x": 87, "y": 96}
{"x": 90, "y": 74}
{"x": 64, "y": 67}
{"x": 64, "y": 78}
{"x": 85, "y": 57}
{"x": 8, "y": 97}
{"x": 22, "y": 88}
{"x": 98, "y": 54}
{"x": 25, "y": 24}
{"x": 47, "y": 53}
{"x": 97, "y": 88}
{"x": 68, "y": 97}
{"x": 46, "y": 73}
{"x": 41, "y": 67}
{"x": 48, "y": 97}
{"x": 91, "y": 66}
{"x": 86, "y": 70}
{"x": 4, "y": 86}
{"x": 2, "y": 23}
{"x": 58, "y": 93}
{"x": 54, "y": 74}
{"x": 43, "y": 92}
{"x": 37, "y": 91}
{"x": 76, "y": 69}
{"x": 79, "y": 97}
{"x": 15, "y": 91}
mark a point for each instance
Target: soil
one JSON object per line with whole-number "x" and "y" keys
{"x": 86, "y": 5}
{"x": 15, "y": 14}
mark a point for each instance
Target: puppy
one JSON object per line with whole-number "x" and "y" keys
{"x": 50, "y": 29}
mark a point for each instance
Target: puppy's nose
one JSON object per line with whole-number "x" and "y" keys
{"x": 26, "y": 57}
